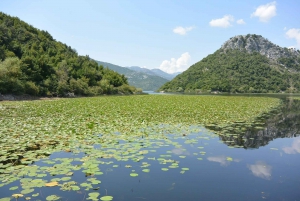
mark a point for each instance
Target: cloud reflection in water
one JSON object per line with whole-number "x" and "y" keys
{"x": 261, "y": 169}
{"x": 294, "y": 149}
{"x": 223, "y": 160}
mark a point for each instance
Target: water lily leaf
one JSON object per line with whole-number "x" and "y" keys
{"x": 134, "y": 174}
{"x": 94, "y": 194}
{"x": 164, "y": 169}
{"x": 229, "y": 159}
{"x": 5, "y": 199}
{"x": 106, "y": 198}
{"x": 14, "y": 188}
{"x": 35, "y": 195}
{"x": 65, "y": 178}
{"x": 146, "y": 170}
{"x": 52, "y": 197}
{"x": 26, "y": 191}
{"x": 50, "y": 184}
{"x": 70, "y": 173}
{"x": 75, "y": 188}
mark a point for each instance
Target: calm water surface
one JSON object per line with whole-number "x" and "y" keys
{"x": 260, "y": 164}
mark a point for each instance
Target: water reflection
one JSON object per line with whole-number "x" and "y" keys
{"x": 261, "y": 169}
{"x": 294, "y": 149}
{"x": 223, "y": 160}
{"x": 219, "y": 159}
{"x": 179, "y": 151}
{"x": 284, "y": 124}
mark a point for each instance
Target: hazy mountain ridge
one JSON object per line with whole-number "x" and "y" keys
{"x": 155, "y": 71}
{"x": 244, "y": 64}
{"x": 145, "y": 81}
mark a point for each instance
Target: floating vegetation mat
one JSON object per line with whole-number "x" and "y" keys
{"x": 103, "y": 130}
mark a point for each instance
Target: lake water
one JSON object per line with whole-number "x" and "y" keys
{"x": 260, "y": 164}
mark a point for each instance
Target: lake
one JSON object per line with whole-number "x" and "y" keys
{"x": 258, "y": 162}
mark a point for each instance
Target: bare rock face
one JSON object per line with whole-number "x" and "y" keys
{"x": 256, "y": 43}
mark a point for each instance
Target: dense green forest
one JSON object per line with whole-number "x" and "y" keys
{"x": 236, "y": 71}
{"x": 32, "y": 62}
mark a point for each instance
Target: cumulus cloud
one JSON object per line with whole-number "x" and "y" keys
{"x": 240, "y": 21}
{"x": 222, "y": 22}
{"x": 261, "y": 169}
{"x": 182, "y": 30}
{"x": 294, "y": 34}
{"x": 294, "y": 149}
{"x": 265, "y": 12}
{"x": 176, "y": 65}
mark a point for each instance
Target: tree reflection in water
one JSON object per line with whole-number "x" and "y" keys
{"x": 285, "y": 123}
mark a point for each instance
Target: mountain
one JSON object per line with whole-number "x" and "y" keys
{"x": 156, "y": 72}
{"x": 145, "y": 81}
{"x": 142, "y": 70}
{"x": 164, "y": 74}
{"x": 32, "y": 62}
{"x": 244, "y": 64}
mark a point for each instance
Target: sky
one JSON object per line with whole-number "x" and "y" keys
{"x": 167, "y": 34}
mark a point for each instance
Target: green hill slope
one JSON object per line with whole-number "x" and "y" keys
{"x": 32, "y": 62}
{"x": 138, "y": 79}
{"x": 243, "y": 68}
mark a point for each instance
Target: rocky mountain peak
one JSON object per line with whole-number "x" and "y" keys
{"x": 256, "y": 43}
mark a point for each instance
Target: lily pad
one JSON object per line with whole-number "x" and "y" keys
{"x": 106, "y": 198}
{"x": 146, "y": 170}
{"x": 52, "y": 197}
{"x": 133, "y": 174}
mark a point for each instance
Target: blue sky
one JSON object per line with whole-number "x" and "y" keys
{"x": 165, "y": 34}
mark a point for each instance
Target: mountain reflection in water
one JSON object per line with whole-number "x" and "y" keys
{"x": 285, "y": 124}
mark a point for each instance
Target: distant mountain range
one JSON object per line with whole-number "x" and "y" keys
{"x": 244, "y": 64}
{"x": 155, "y": 71}
{"x": 148, "y": 80}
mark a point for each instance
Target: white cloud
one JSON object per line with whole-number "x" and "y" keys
{"x": 240, "y": 21}
{"x": 176, "y": 65}
{"x": 294, "y": 33}
{"x": 265, "y": 12}
{"x": 261, "y": 169}
{"x": 294, "y": 149}
{"x": 222, "y": 22}
{"x": 182, "y": 30}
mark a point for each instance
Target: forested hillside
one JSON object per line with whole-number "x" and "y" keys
{"x": 32, "y": 62}
{"x": 252, "y": 66}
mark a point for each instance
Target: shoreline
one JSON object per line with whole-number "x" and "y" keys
{"x": 11, "y": 97}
